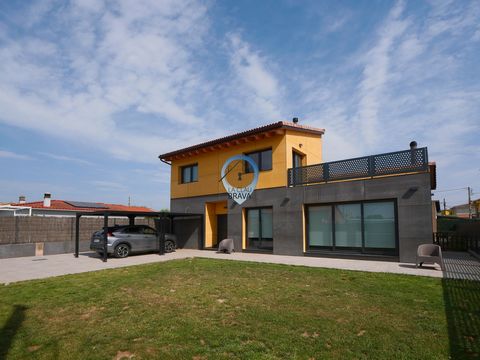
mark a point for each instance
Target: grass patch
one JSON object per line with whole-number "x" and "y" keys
{"x": 204, "y": 309}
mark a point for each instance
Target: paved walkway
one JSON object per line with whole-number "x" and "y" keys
{"x": 458, "y": 265}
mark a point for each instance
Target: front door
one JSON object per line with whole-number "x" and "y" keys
{"x": 222, "y": 232}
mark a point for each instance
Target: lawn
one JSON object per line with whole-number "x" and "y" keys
{"x": 205, "y": 309}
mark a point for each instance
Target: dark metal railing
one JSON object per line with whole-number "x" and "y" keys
{"x": 452, "y": 241}
{"x": 398, "y": 162}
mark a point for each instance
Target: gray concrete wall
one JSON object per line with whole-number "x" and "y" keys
{"x": 188, "y": 232}
{"x": 414, "y": 209}
{"x": 19, "y": 235}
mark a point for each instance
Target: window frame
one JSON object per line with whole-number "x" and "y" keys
{"x": 358, "y": 250}
{"x": 190, "y": 167}
{"x": 301, "y": 155}
{"x": 260, "y": 162}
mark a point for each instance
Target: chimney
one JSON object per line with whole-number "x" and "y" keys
{"x": 413, "y": 145}
{"x": 295, "y": 120}
{"x": 22, "y": 199}
{"x": 47, "y": 199}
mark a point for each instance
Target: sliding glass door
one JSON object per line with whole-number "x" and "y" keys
{"x": 260, "y": 229}
{"x": 363, "y": 227}
{"x": 348, "y": 226}
{"x": 379, "y": 223}
{"x": 320, "y": 226}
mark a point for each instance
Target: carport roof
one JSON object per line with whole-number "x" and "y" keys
{"x": 134, "y": 213}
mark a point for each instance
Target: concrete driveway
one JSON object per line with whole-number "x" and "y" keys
{"x": 458, "y": 265}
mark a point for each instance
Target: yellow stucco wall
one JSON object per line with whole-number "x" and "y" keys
{"x": 210, "y": 224}
{"x": 309, "y": 145}
{"x": 210, "y": 164}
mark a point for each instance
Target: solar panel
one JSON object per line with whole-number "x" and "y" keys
{"x": 84, "y": 204}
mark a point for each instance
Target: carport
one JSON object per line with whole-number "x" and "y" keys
{"x": 164, "y": 223}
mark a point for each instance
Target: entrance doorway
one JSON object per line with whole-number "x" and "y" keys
{"x": 216, "y": 215}
{"x": 222, "y": 229}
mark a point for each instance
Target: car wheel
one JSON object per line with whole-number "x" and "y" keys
{"x": 169, "y": 246}
{"x": 122, "y": 251}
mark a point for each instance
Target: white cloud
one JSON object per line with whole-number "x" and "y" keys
{"x": 66, "y": 158}
{"x": 257, "y": 82}
{"x": 138, "y": 78}
{"x": 412, "y": 87}
{"x": 137, "y": 56}
{"x": 13, "y": 155}
{"x": 337, "y": 22}
{"x": 376, "y": 73}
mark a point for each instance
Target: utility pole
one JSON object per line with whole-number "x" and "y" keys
{"x": 444, "y": 205}
{"x": 129, "y": 201}
{"x": 469, "y": 203}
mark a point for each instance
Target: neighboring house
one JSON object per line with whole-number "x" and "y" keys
{"x": 464, "y": 211}
{"x": 48, "y": 227}
{"x": 376, "y": 206}
{"x": 61, "y": 208}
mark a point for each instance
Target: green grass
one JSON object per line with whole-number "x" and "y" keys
{"x": 205, "y": 309}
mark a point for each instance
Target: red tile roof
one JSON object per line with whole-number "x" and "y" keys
{"x": 274, "y": 126}
{"x": 65, "y": 206}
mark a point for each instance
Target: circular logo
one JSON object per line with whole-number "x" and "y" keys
{"x": 239, "y": 195}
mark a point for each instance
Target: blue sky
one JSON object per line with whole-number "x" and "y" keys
{"x": 92, "y": 91}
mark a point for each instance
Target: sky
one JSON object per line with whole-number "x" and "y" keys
{"x": 91, "y": 91}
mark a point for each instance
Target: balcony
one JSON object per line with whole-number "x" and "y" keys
{"x": 399, "y": 162}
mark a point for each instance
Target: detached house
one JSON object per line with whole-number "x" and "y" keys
{"x": 283, "y": 199}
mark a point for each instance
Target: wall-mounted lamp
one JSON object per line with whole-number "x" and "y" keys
{"x": 408, "y": 194}
{"x": 285, "y": 201}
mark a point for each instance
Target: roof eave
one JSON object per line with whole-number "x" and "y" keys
{"x": 275, "y": 126}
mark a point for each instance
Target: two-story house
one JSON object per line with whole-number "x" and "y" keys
{"x": 376, "y": 206}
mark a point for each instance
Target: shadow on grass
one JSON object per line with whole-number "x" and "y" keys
{"x": 10, "y": 329}
{"x": 462, "y": 306}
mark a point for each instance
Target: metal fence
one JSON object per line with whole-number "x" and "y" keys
{"x": 452, "y": 241}
{"x": 398, "y": 162}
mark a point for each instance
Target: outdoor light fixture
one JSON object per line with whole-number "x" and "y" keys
{"x": 285, "y": 201}
{"x": 408, "y": 194}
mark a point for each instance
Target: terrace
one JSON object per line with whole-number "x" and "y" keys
{"x": 388, "y": 164}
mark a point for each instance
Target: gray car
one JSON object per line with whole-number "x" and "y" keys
{"x": 127, "y": 239}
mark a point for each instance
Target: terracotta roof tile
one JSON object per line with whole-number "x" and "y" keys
{"x": 65, "y": 206}
{"x": 278, "y": 125}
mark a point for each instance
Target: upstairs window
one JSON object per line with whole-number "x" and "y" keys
{"x": 262, "y": 158}
{"x": 189, "y": 173}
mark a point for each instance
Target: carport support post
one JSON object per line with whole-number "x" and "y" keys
{"x": 131, "y": 220}
{"x": 77, "y": 234}
{"x": 161, "y": 234}
{"x": 105, "y": 237}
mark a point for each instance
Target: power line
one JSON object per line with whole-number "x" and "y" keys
{"x": 447, "y": 190}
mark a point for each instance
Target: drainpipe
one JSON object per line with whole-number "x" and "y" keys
{"x": 164, "y": 161}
